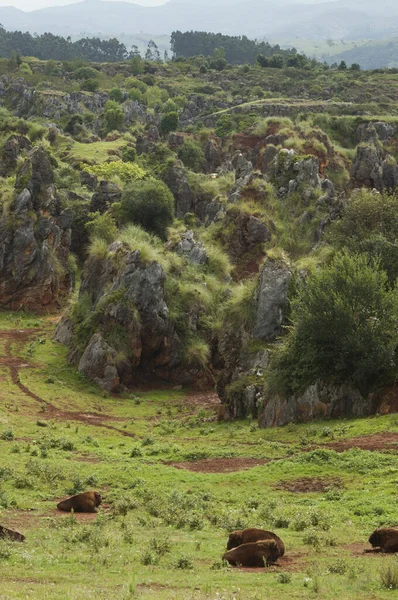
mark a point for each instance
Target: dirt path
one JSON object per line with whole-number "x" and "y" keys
{"x": 15, "y": 364}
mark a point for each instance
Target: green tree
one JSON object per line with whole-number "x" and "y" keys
{"x": 192, "y": 155}
{"x": 169, "y": 122}
{"x": 148, "y": 203}
{"x": 344, "y": 329}
{"x": 117, "y": 95}
{"x": 114, "y": 116}
{"x": 342, "y": 66}
{"x": 369, "y": 224}
{"x": 152, "y": 52}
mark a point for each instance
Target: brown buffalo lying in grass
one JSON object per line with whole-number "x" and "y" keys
{"x": 245, "y": 536}
{"x": 254, "y": 554}
{"x": 82, "y": 503}
{"x": 384, "y": 539}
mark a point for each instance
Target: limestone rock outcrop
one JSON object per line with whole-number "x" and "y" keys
{"x": 35, "y": 238}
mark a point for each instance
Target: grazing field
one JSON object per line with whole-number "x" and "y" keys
{"x": 174, "y": 483}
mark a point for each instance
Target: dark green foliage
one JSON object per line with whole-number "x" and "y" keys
{"x": 114, "y": 116}
{"x": 55, "y": 47}
{"x": 169, "y": 122}
{"x": 225, "y": 126}
{"x": 148, "y": 203}
{"x": 191, "y": 155}
{"x": 370, "y": 224}
{"x": 90, "y": 85}
{"x": 237, "y": 49}
{"x": 344, "y": 329}
{"x": 117, "y": 95}
{"x": 85, "y": 73}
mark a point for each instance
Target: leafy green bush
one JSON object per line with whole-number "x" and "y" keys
{"x": 191, "y": 155}
{"x": 169, "y": 122}
{"x": 127, "y": 171}
{"x": 117, "y": 95}
{"x": 85, "y": 73}
{"x": 225, "y": 126}
{"x": 114, "y": 116}
{"x": 344, "y": 329}
{"x": 148, "y": 203}
{"x": 370, "y": 224}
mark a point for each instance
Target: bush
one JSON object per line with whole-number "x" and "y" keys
{"x": 90, "y": 85}
{"x": 148, "y": 203}
{"x": 370, "y": 224}
{"x": 169, "y": 122}
{"x": 114, "y": 116}
{"x": 126, "y": 171}
{"x": 192, "y": 155}
{"x": 85, "y": 73}
{"x": 117, "y": 95}
{"x": 344, "y": 329}
{"x": 225, "y": 126}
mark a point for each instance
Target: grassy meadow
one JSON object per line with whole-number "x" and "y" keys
{"x": 174, "y": 483}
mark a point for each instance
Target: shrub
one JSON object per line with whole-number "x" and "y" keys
{"x": 85, "y": 73}
{"x": 183, "y": 562}
{"x": 344, "y": 329}
{"x": 192, "y": 155}
{"x": 90, "y": 85}
{"x": 126, "y": 171}
{"x": 225, "y": 126}
{"x": 114, "y": 116}
{"x": 136, "y": 95}
{"x": 148, "y": 203}
{"x": 117, "y": 95}
{"x": 284, "y": 578}
{"x": 169, "y": 122}
{"x": 102, "y": 227}
{"x": 370, "y": 224}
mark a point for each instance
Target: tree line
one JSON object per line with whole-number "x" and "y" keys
{"x": 238, "y": 49}
{"x": 49, "y": 46}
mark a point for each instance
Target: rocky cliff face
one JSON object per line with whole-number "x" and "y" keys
{"x": 240, "y": 385}
{"x": 125, "y": 333}
{"x": 35, "y": 237}
{"x": 319, "y": 401}
{"x": 373, "y": 166}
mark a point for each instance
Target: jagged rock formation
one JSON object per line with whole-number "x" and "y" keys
{"x": 12, "y": 149}
{"x": 126, "y": 333}
{"x": 373, "y": 167}
{"x": 319, "y": 401}
{"x": 240, "y": 385}
{"x": 185, "y": 200}
{"x": 107, "y": 193}
{"x": 35, "y": 237}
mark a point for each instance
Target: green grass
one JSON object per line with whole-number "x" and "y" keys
{"x": 97, "y": 152}
{"x": 50, "y": 454}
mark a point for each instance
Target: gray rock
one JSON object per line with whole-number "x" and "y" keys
{"x": 64, "y": 332}
{"x": 107, "y": 194}
{"x": 98, "y": 364}
{"x": 319, "y": 401}
{"x": 271, "y": 300}
{"x": 35, "y": 241}
{"x": 193, "y": 251}
{"x": 367, "y": 169}
{"x": 90, "y": 181}
{"x": 176, "y": 179}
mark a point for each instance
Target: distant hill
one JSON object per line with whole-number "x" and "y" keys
{"x": 372, "y": 55}
{"x": 349, "y": 19}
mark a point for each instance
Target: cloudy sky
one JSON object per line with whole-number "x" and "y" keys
{"x": 34, "y": 4}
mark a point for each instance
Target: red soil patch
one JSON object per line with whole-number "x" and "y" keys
{"x": 294, "y": 562}
{"x": 220, "y": 465}
{"x": 306, "y": 485}
{"x": 361, "y": 549}
{"x": 374, "y": 442}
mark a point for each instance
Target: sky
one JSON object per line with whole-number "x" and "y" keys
{"x": 35, "y": 4}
